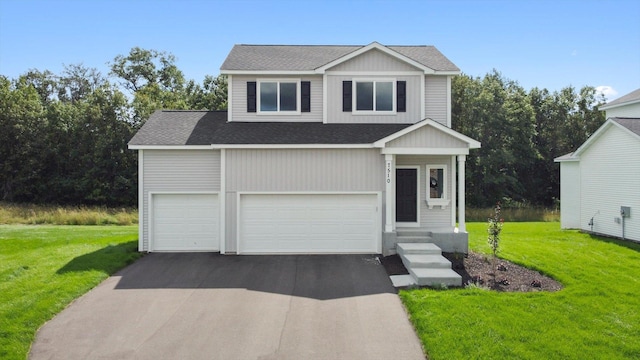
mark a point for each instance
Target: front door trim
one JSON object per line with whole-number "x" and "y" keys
{"x": 417, "y": 222}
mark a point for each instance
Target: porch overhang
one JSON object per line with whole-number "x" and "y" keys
{"x": 424, "y": 151}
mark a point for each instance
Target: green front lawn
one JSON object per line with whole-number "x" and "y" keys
{"x": 596, "y": 315}
{"x": 44, "y": 268}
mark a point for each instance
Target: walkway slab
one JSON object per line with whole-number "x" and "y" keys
{"x": 210, "y": 306}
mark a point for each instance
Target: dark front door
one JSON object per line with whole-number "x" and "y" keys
{"x": 406, "y": 195}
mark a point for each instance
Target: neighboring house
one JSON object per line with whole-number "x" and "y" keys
{"x": 323, "y": 149}
{"x": 600, "y": 181}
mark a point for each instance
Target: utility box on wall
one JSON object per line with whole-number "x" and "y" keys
{"x": 625, "y": 211}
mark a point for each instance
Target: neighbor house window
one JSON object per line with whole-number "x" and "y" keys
{"x": 375, "y": 96}
{"x": 278, "y": 96}
{"x": 437, "y": 186}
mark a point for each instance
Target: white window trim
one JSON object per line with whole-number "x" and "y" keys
{"x": 354, "y": 93}
{"x": 445, "y": 200}
{"x": 417, "y": 222}
{"x": 278, "y": 81}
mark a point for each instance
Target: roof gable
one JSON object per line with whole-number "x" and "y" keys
{"x": 313, "y": 59}
{"x": 469, "y": 142}
{"x": 628, "y": 125}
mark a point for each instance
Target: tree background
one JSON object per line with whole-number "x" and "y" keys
{"x": 63, "y": 137}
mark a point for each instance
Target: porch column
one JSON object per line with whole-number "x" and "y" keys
{"x": 461, "y": 205}
{"x": 390, "y": 188}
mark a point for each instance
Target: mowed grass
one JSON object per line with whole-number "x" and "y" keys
{"x": 33, "y": 214}
{"x": 596, "y": 315}
{"x": 44, "y": 268}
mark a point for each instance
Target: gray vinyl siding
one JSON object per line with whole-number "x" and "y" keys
{"x": 334, "y": 101}
{"x": 631, "y": 110}
{"x": 374, "y": 60}
{"x": 305, "y": 170}
{"x": 436, "y": 218}
{"x": 239, "y": 102}
{"x": 427, "y": 137}
{"x": 435, "y": 97}
{"x": 610, "y": 178}
{"x": 178, "y": 171}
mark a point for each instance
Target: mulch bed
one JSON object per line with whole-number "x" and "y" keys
{"x": 477, "y": 268}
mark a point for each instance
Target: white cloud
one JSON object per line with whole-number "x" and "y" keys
{"x": 607, "y": 91}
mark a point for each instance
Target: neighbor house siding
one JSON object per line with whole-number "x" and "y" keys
{"x": 570, "y": 195}
{"x": 374, "y": 60}
{"x": 334, "y": 101}
{"x": 610, "y": 178}
{"x": 632, "y": 110}
{"x": 436, "y": 218}
{"x": 435, "y": 98}
{"x": 302, "y": 170}
{"x": 239, "y": 103}
{"x": 177, "y": 171}
{"x": 427, "y": 137}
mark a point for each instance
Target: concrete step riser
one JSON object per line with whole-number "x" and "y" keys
{"x": 423, "y": 278}
{"x": 426, "y": 265}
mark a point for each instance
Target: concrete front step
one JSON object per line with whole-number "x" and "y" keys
{"x": 418, "y": 248}
{"x": 425, "y": 261}
{"x": 414, "y": 239}
{"x": 435, "y": 277}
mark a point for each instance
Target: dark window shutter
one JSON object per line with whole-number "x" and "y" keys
{"x": 251, "y": 96}
{"x": 305, "y": 93}
{"x": 401, "y": 96}
{"x": 346, "y": 96}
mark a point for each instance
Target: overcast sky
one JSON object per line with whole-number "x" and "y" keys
{"x": 545, "y": 44}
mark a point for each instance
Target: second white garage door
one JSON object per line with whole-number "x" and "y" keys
{"x": 309, "y": 223}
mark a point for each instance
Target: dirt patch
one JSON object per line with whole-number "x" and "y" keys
{"x": 477, "y": 268}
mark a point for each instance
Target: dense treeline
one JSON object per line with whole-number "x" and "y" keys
{"x": 63, "y": 137}
{"x": 521, "y": 133}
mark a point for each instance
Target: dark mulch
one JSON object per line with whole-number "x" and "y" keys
{"x": 477, "y": 268}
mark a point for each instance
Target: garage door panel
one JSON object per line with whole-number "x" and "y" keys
{"x": 185, "y": 222}
{"x": 309, "y": 223}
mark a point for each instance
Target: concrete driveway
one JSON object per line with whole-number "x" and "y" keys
{"x": 211, "y": 306}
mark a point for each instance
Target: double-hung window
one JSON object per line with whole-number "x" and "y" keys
{"x": 279, "y": 96}
{"x": 376, "y": 96}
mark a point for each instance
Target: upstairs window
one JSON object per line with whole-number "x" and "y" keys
{"x": 278, "y": 96}
{"x": 374, "y": 97}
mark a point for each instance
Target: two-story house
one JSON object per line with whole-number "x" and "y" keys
{"x": 323, "y": 149}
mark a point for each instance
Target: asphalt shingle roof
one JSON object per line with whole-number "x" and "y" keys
{"x": 632, "y": 124}
{"x": 630, "y": 97}
{"x": 170, "y": 127}
{"x": 311, "y": 57}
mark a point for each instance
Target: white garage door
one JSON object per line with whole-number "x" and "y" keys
{"x": 304, "y": 223}
{"x": 184, "y": 222}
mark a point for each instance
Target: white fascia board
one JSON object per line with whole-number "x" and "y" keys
{"x": 613, "y": 106}
{"x": 268, "y": 72}
{"x": 425, "y": 151}
{"x": 566, "y": 158}
{"x": 169, "y": 147}
{"x": 292, "y": 146}
{"x": 378, "y": 46}
{"x": 473, "y": 144}
{"x": 593, "y": 137}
